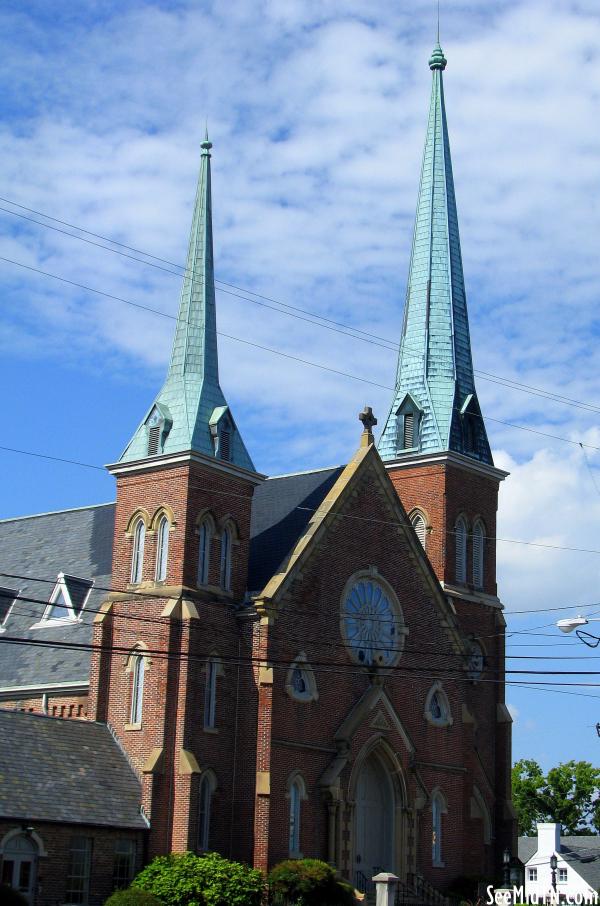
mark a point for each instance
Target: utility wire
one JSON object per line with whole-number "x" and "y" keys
{"x": 319, "y": 666}
{"x": 337, "y": 326}
{"x": 322, "y": 641}
{"x": 366, "y": 519}
{"x": 145, "y": 594}
{"x": 284, "y": 355}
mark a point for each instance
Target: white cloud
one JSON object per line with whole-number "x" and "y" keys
{"x": 550, "y": 499}
{"x": 317, "y": 113}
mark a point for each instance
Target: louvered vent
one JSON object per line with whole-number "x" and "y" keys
{"x": 478, "y": 541}
{"x": 461, "y": 551}
{"x": 153, "y": 440}
{"x": 225, "y": 445}
{"x": 409, "y": 430}
{"x": 418, "y": 523}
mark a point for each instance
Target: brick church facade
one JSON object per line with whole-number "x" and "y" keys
{"x": 302, "y": 665}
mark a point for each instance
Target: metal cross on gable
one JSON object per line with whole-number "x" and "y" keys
{"x": 368, "y": 419}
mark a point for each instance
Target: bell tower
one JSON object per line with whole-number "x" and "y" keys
{"x": 435, "y": 447}
{"x": 168, "y": 629}
{"x": 434, "y": 442}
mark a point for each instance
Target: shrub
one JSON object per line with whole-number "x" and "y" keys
{"x": 308, "y": 882}
{"x": 11, "y": 897}
{"x": 184, "y": 879}
{"x": 133, "y": 897}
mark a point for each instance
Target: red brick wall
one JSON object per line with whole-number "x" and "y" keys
{"x": 174, "y": 689}
{"x": 52, "y": 869}
{"x": 303, "y": 734}
{"x": 444, "y": 492}
{"x": 58, "y": 705}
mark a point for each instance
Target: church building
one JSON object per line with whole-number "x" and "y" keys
{"x": 306, "y": 665}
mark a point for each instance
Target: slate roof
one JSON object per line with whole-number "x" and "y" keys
{"x": 70, "y": 771}
{"x": 79, "y": 543}
{"x": 281, "y": 510}
{"x": 583, "y": 853}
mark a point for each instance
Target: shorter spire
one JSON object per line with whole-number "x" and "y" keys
{"x": 190, "y": 412}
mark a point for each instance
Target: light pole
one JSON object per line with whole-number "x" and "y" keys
{"x": 506, "y": 867}
{"x": 553, "y": 864}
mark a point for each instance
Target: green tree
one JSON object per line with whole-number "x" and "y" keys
{"x": 568, "y": 794}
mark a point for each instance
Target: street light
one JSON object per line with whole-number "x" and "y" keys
{"x": 571, "y": 623}
{"x": 553, "y": 864}
{"x": 506, "y": 867}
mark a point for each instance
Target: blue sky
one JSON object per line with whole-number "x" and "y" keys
{"x": 317, "y": 112}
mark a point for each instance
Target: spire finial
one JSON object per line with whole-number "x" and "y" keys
{"x": 438, "y": 21}
{"x": 437, "y": 60}
{"x": 206, "y": 145}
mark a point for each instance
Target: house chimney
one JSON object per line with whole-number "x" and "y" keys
{"x": 548, "y": 839}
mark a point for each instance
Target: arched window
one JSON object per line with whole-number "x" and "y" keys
{"x": 205, "y": 795}
{"x": 162, "y": 549}
{"x": 437, "y": 707}
{"x": 418, "y": 523}
{"x": 205, "y": 533}
{"x": 478, "y": 553}
{"x": 300, "y": 683}
{"x": 138, "y": 670}
{"x": 225, "y": 571}
{"x": 460, "y": 538}
{"x": 296, "y": 792}
{"x": 137, "y": 560}
{"x": 438, "y": 808}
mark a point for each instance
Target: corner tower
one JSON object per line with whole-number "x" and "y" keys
{"x": 190, "y": 412}
{"x": 185, "y": 484}
{"x": 434, "y": 441}
{"x": 436, "y": 449}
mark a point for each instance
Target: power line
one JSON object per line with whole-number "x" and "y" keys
{"x": 145, "y": 594}
{"x": 322, "y": 641}
{"x": 337, "y": 326}
{"x": 328, "y": 641}
{"x": 325, "y": 513}
{"x": 322, "y": 666}
{"x": 282, "y": 354}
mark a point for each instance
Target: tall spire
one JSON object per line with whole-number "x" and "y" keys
{"x": 191, "y": 412}
{"x": 435, "y": 406}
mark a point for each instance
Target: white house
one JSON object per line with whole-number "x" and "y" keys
{"x": 577, "y": 866}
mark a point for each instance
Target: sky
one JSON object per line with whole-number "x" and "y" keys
{"x": 317, "y": 113}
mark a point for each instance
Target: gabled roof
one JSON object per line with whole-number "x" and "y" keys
{"x": 365, "y": 462}
{"x": 282, "y": 508}
{"x": 71, "y": 771}
{"x": 582, "y": 853}
{"x": 435, "y": 364}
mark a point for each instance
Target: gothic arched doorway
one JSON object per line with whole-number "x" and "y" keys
{"x": 374, "y": 817}
{"x": 19, "y": 864}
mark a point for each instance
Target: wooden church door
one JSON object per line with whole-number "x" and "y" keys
{"x": 374, "y": 823}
